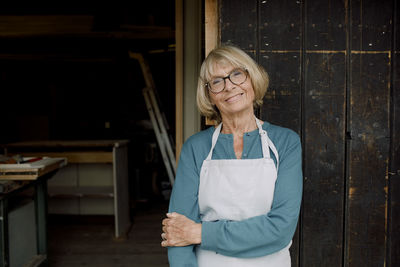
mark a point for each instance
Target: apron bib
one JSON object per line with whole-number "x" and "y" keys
{"x": 236, "y": 189}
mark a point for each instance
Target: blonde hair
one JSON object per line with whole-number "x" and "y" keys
{"x": 237, "y": 58}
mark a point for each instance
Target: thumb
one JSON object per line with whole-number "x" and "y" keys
{"x": 172, "y": 214}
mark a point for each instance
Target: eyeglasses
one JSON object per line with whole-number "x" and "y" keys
{"x": 237, "y": 77}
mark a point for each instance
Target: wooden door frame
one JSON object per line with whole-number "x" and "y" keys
{"x": 188, "y": 60}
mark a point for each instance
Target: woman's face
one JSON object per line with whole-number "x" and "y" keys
{"x": 234, "y": 99}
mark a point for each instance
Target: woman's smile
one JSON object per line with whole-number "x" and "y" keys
{"x": 234, "y": 98}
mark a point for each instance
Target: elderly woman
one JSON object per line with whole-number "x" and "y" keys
{"x": 238, "y": 188}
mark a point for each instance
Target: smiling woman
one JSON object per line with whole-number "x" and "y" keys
{"x": 237, "y": 194}
{"x": 221, "y": 62}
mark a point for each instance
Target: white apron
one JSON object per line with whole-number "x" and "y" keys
{"x": 236, "y": 189}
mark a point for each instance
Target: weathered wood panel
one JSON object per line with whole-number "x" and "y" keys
{"x": 394, "y": 171}
{"x": 322, "y": 224}
{"x": 369, "y": 155}
{"x": 333, "y": 83}
{"x": 324, "y": 120}
{"x": 281, "y": 57}
{"x": 367, "y": 199}
{"x": 371, "y": 25}
{"x": 284, "y": 90}
{"x": 325, "y": 25}
{"x": 238, "y": 24}
{"x": 280, "y": 25}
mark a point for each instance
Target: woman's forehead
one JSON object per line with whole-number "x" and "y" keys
{"x": 220, "y": 68}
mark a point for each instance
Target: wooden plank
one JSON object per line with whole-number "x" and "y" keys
{"x": 238, "y": 24}
{"x": 368, "y": 161}
{"x": 284, "y": 91}
{"x": 75, "y": 156}
{"x": 29, "y": 171}
{"x": 324, "y": 130}
{"x": 68, "y": 144}
{"x": 17, "y": 26}
{"x": 282, "y": 103}
{"x": 367, "y": 199}
{"x": 280, "y": 25}
{"x": 324, "y": 107}
{"x": 325, "y": 25}
{"x": 211, "y": 25}
{"x": 281, "y": 57}
{"x": 28, "y": 25}
{"x": 394, "y": 171}
{"x": 371, "y": 25}
{"x": 178, "y": 78}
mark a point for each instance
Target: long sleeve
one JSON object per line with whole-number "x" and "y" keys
{"x": 268, "y": 233}
{"x": 184, "y": 197}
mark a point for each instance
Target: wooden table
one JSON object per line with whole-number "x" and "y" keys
{"x": 17, "y": 178}
{"x": 97, "y": 172}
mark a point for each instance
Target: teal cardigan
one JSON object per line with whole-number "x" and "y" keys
{"x": 253, "y": 237}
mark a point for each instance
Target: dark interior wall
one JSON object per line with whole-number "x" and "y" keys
{"x": 74, "y": 82}
{"x": 65, "y": 72}
{"x": 334, "y": 74}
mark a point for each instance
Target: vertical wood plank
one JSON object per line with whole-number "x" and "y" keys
{"x": 178, "y": 78}
{"x": 394, "y": 171}
{"x": 322, "y": 233}
{"x": 280, "y": 40}
{"x": 325, "y": 25}
{"x": 238, "y": 24}
{"x": 280, "y": 25}
{"x": 280, "y": 48}
{"x": 324, "y": 122}
{"x": 369, "y": 154}
{"x": 211, "y": 25}
{"x": 282, "y": 103}
{"x": 367, "y": 199}
{"x": 371, "y": 25}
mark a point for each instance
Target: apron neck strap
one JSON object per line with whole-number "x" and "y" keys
{"x": 266, "y": 143}
{"x": 264, "y": 139}
{"x": 214, "y": 140}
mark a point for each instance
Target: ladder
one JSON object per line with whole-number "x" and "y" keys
{"x": 157, "y": 118}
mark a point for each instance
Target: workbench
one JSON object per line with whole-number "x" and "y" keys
{"x": 17, "y": 179}
{"x": 95, "y": 182}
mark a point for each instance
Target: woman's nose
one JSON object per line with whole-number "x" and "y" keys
{"x": 229, "y": 85}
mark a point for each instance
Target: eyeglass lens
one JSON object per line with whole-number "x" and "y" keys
{"x": 237, "y": 77}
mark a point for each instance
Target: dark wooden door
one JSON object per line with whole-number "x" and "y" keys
{"x": 334, "y": 74}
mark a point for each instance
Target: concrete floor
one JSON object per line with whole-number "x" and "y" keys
{"x": 88, "y": 241}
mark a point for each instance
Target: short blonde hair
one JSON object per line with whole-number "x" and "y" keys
{"x": 237, "y": 58}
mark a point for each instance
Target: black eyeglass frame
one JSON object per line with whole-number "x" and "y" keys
{"x": 246, "y": 72}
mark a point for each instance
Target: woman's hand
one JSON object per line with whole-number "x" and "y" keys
{"x": 179, "y": 231}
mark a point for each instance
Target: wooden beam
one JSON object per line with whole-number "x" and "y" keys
{"x": 179, "y": 77}
{"x": 75, "y": 157}
{"x": 211, "y": 33}
{"x": 75, "y": 26}
{"x": 211, "y": 25}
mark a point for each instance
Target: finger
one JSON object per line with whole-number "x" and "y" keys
{"x": 164, "y": 243}
{"x": 163, "y": 236}
{"x": 172, "y": 215}
{"x": 165, "y": 221}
